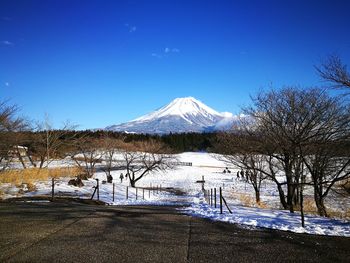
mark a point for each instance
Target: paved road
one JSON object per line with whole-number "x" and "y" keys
{"x": 72, "y": 232}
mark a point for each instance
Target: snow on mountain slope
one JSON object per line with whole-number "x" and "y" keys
{"x": 184, "y": 108}
{"x": 180, "y": 115}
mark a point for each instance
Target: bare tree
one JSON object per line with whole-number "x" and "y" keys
{"x": 9, "y": 121}
{"x": 141, "y": 158}
{"x": 10, "y": 125}
{"x": 334, "y": 72}
{"x": 111, "y": 147}
{"x": 326, "y": 155}
{"x": 239, "y": 150}
{"x": 278, "y": 116}
{"x": 47, "y": 142}
{"x": 87, "y": 153}
{"x": 282, "y": 123}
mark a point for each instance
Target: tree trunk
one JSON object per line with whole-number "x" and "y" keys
{"x": 290, "y": 199}
{"x": 42, "y": 160}
{"x": 290, "y": 193}
{"x": 319, "y": 200}
{"x": 290, "y": 187}
{"x": 302, "y": 207}
{"x": 296, "y": 198}
{"x": 282, "y": 197}
{"x": 21, "y": 159}
{"x": 109, "y": 177}
{"x": 257, "y": 196}
{"x": 31, "y": 160}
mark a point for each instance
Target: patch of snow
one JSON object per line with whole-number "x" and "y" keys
{"x": 211, "y": 166}
{"x": 272, "y": 219}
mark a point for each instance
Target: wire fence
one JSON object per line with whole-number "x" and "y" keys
{"x": 134, "y": 193}
{"x": 211, "y": 197}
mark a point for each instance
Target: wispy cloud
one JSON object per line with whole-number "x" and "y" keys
{"x": 171, "y": 50}
{"x": 166, "y": 52}
{"x": 156, "y": 55}
{"x": 6, "y": 43}
{"x": 131, "y": 28}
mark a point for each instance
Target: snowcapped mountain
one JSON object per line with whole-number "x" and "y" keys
{"x": 180, "y": 115}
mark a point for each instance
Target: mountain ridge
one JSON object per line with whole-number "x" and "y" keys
{"x": 180, "y": 115}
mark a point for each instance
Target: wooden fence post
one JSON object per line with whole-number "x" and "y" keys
{"x": 98, "y": 189}
{"x": 127, "y": 192}
{"x": 211, "y": 196}
{"x": 136, "y": 193}
{"x": 228, "y": 208}
{"x": 143, "y": 193}
{"x": 93, "y": 194}
{"x": 53, "y": 189}
{"x": 215, "y": 197}
{"x": 113, "y": 191}
{"x": 220, "y": 201}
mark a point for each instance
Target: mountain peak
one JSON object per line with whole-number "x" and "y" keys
{"x": 185, "y": 99}
{"x": 180, "y": 115}
{"x": 182, "y": 107}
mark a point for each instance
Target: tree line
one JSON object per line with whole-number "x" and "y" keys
{"x": 295, "y": 137}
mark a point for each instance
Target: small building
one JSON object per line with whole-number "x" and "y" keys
{"x": 17, "y": 149}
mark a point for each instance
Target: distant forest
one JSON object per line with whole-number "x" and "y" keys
{"x": 177, "y": 142}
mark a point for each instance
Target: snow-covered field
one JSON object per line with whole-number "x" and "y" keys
{"x": 239, "y": 195}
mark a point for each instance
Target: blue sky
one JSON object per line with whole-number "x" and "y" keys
{"x": 98, "y": 63}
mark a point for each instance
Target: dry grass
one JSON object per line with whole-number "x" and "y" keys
{"x": 346, "y": 186}
{"x": 29, "y": 176}
{"x": 309, "y": 205}
{"x": 261, "y": 204}
{"x": 339, "y": 214}
{"x": 248, "y": 200}
{"x": 31, "y": 187}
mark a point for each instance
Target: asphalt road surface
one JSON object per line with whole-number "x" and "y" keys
{"x": 73, "y": 232}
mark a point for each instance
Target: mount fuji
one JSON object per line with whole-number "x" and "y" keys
{"x": 179, "y": 116}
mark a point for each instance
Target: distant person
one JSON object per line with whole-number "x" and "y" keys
{"x": 121, "y": 177}
{"x": 247, "y": 175}
{"x": 237, "y": 175}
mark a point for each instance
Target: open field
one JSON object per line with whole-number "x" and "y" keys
{"x": 238, "y": 194}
